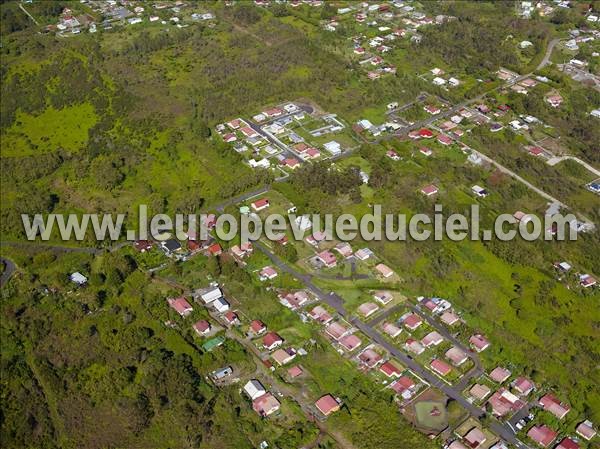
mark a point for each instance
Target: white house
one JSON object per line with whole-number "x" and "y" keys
{"x": 209, "y": 294}
{"x": 254, "y": 389}
{"x": 221, "y": 305}
{"x": 78, "y": 278}
{"x": 333, "y": 147}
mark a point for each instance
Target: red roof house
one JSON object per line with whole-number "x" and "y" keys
{"x": 231, "y": 318}
{"x": 444, "y": 139}
{"x": 551, "y": 404}
{"x": 261, "y": 204}
{"x": 350, "y": 342}
{"x": 523, "y": 386}
{"x": 215, "y": 249}
{"x": 180, "y": 305}
{"x": 567, "y": 443}
{"x": 257, "y": 327}
{"x": 479, "y": 342}
{"x": 429, "y": 190}
{"x": 440, "y": 367}
{"x": 425, "y": 133}
{"x": 327, "y": 405}
{"x": 327, "y": 258}
{"x": 265, "y": 404}
{"x": 390, "y": 370}
{"x": 542, "y": 435}
{"x": 202, "y": 327}
{"x": 272, "y": 340}
{"x": 412, "y": 321}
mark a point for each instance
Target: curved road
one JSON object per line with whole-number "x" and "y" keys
{"x": 9, "y": 269}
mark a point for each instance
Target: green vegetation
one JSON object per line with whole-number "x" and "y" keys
{"x": 107, "y": 121}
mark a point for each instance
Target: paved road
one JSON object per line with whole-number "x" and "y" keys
{"x": 555, "y": 160}
{"x": 540, "y": 192}
{"x": 221, "y": 207}
{"x": 546, "y": 60}
{"x": 337, "y": 303}
{"x": 9, "y": 269}
{"x": 29, "y": 15}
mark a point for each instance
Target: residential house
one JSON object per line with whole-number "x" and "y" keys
{"x": 318, "y": 313}
{"x": 180, "y": 305}
{"x": 456, "y": 444}
{"x": 393, "y": 155}
{"x": 412, "y": 321}
{"x": 327, "y": 405}
{"x": 429, "y": 190}
{"x": 384, "y": 270}
{"x": 336, "y": 331}
{"x": 587, "y": 280}
{"x": 370, "y": 358}
{"x": 390, "y": 370}
{"x": 344, "y": 249}
{"x": 257, "y": 327}
{"x": 267, "y": 273}
{"x": 78, "y": 278}
{"x": 479, "y": 191}
{"x": 554, "y": 100}
{"x": 208, "y": 295}
{"x": 261, "y": 204}
{"x": 444, "y": 139}
{"x": 215, "y": 249}
{"x": 350, "y": 342}
{"x": 231, "y": 318}
{"x": 202, "y": 327}
{"x": 479, "y": 392}
{"x": 265, "y": 405}
{"x": 414, "y": 346}
{"x": 221, "y": 305}
{"x": 479, "y": 342}
{"x": 327, "y": 258}
{"x": 383, "y": 296}
{"x": 295, "y": 371}
{"x": 449, "y": 318}
{"x": 504, "y": 402}
{"x": 586, "y": 430}
{"x": 143, "y": 245}
{"x": 567, "y": 443}
{"x": 254, "y": 389}
{"x": 440, "y": 367}
{"x": 456, "y": 355}
{"x": 542, "y": 435}
{"x": 432, "y": 339}
{"x": 271, "y": 341}
{"x": 363, "y": 254}
{"x": 523, "y": 386}
{"x": 404, "y": 386}
{"x": 283, "y": 356}
{"x": 367, "y": 309}
{"x": 551, "y": 404}
{"x": 475, "y": 438}
{"x": 392, "y": 330}
{"x": 499, "y": 374}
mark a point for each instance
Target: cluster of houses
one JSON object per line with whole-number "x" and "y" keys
{"x": 277, "y": 136}
{"x": 263, "y": 402}
{"x": 384, "y": 18}
{"x": 525, "y": 9}
{"x": 586, "y": 280}
{"x": 116, "y": 12}
{"x": 371, "y": 357}
{"x": 440, "y": 79}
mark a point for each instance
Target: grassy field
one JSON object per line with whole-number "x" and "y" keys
{"x": 51, "y": 130}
